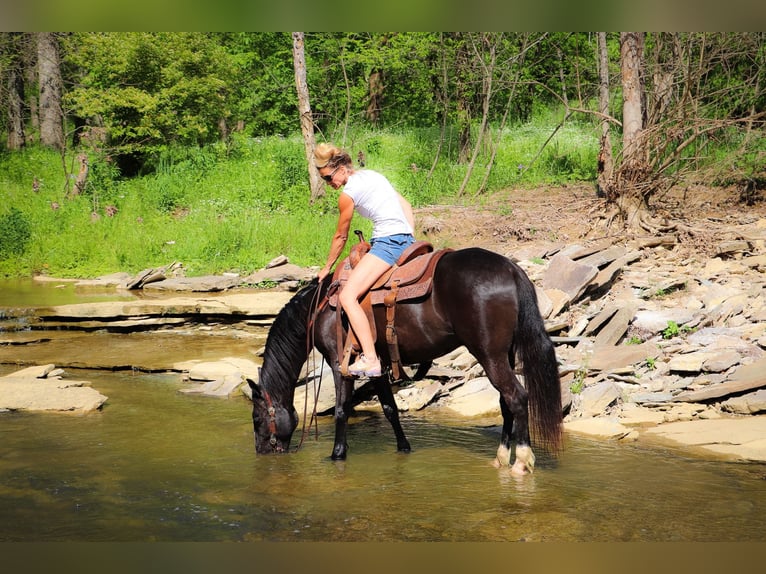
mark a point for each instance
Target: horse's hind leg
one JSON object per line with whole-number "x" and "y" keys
{"x": 388, "y": 402}
{"x": 517, "y": 401}
{"x": 504, "y": 450}
{"x": 513, "y": 405}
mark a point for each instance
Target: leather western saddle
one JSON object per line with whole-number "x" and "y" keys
{"x": 411, "y": 277}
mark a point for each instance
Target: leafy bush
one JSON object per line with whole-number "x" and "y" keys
{"x": 15, "y": 233}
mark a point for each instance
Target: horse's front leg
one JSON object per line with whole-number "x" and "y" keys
{"x": 388, "y": 402}
{"x": 344, "y": 387}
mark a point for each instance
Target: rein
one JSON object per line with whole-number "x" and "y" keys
{"x": 317, "y": 305}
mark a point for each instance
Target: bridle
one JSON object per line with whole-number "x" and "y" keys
{"x": 275, "y": 446}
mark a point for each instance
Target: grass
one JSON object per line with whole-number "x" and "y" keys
{"x": 234, "y": 208}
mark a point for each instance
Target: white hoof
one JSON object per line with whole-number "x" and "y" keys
{"x": 503, "y": 457}
{"x": 525, "y": 461}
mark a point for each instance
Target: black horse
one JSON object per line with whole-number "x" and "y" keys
{"x": 480, "y": 299}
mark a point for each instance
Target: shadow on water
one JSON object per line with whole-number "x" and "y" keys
{"x": 159, "y": 465}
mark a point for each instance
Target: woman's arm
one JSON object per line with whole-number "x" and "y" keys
{"x": 345, "y": 214}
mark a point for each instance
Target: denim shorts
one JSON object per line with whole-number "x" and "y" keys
{"x": 390, "y": 248}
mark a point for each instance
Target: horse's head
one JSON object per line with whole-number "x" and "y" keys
{"x": 273, "y": 423}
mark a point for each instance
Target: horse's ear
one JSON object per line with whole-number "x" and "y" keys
{"x": 254, "y": 387}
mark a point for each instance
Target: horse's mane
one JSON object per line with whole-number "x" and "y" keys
{"x": 287, "y": 345}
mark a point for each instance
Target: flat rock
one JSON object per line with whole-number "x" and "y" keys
{"x": 217, "y": 378}
{"x": 210, "y": 283}
{"x": 31, "y": 390}
{"x": 714, "y": 361}
{"x": 418, "y": 396}
{"x": 632, "y": 414}
{"x": 222, "y": 387}
{"x": 617, "y": 326}
{"x": 621, "y": 356}
{"x": 252, "y": 304}
{"x": 714, "y": 294}
{"x": 475, "y": 398}
{"x": 112, "y": 280}
{"x": 744, "y": 378}
{"x": 656, "y": 320}
{"x": 559, "y": 300}
{"x": 757, "y": 262}
{"x": 568, "y": 276}
{"x": 651, "y": 397}
{"x": 607, "y": 274}
{"x": 283, "y": 272}
{"x": 594, "y": 399}
{"x": 734, "y": 438}
{"x": 544, "y": 302}
{"x": 600, "y": 427}
{"x": 748, "y": 404}
{"x": 603, "y": 257}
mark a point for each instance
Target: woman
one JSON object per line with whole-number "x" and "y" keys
{"x": 393, "y": 225}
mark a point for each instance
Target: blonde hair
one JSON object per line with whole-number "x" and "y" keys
{"x": 326, "y": 154}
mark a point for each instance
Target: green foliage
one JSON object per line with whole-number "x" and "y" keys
{"x": 15, "y": 232}
{"x": 231, "y": 207}
{"x": 674, "y": 330}
{"x": 151, "y": 89}
{"x": 221, "y": 182}
{"x": 578, "y": 384}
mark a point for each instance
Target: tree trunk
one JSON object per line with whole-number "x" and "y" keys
{"x": 631, "y": 56}
{"x": 304, "y": 108}
{"x": 51, "y": 111}
{"x": 633, "y": 177}
{"x": 562, "y": 77}
{"x": 16, "y": 136}
{"x": 462, "y": 103}
{"x": 30, "y": 79}
{"x": 605, "y": 161}
{"x": 375, "y": 104}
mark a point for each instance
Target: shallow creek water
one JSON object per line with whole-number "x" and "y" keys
{"x": 159, "y": 465}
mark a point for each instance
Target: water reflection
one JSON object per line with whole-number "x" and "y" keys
{"x": 23, "y": 293}
{"x": 159, "y": 465}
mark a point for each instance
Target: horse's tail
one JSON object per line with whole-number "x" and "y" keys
{"x": 539, "y": 367}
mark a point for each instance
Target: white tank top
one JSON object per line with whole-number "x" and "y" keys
{"x": 375, "y": 198}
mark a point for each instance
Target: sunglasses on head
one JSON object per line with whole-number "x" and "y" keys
{"x": 328, "y": 177}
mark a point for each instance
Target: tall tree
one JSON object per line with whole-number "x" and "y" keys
{"x": 15, "y": 85}
{"x": 50, "y": 82}
{"x": 30, "y": 82}
{"x": 631, "y": 66}
{"x": 304, "y": 109}
{"x": 605, "y": 166}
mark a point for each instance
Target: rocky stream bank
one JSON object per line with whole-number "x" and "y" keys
{"x": 654, "y": 342}
{"x": 660, "y": 338}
